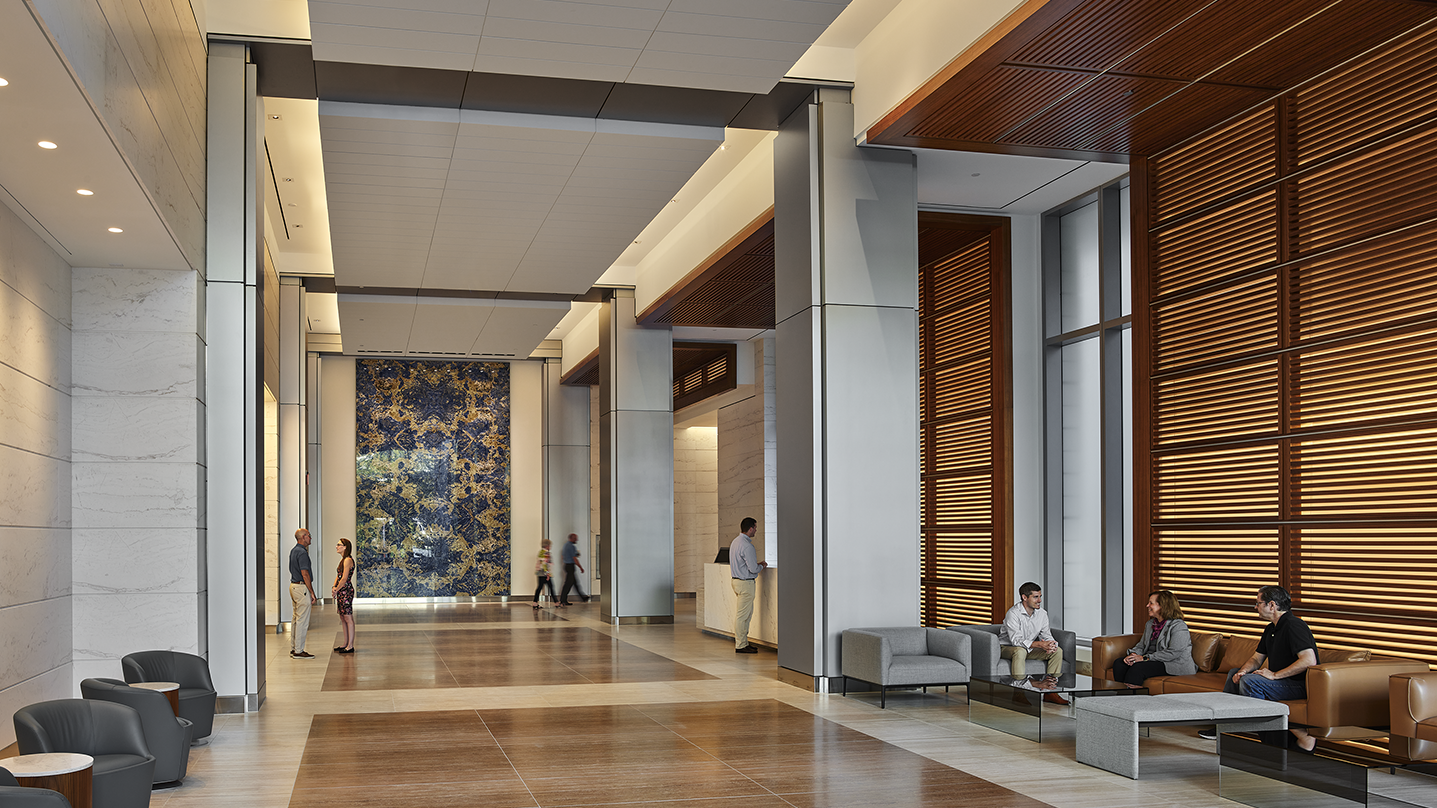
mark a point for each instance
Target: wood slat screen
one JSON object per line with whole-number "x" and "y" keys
{"x": 964, "y": 441}
{"x": 1286, "y": 327}
{"x": 703, "y": 369}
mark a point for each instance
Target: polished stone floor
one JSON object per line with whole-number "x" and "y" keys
{"x": 727, "y": 735}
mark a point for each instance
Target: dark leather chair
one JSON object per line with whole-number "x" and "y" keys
{"x": 167, "y": 736}
{"x": 112, "y": 734}
{"x": 192, "y": 673}
{"x": 14, "y": 795}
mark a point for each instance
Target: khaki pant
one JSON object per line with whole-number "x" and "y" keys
{"x": 744, "y": 590}
{"x": 299, "y": 594}
{"x": 1018, "y": 659}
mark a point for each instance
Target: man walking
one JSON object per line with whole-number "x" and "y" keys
{"x": 570, "y": 558}
{"x": 1288, "y": 647}
{"x": 301, "y": 592}
{"x": 1026, "y": 633}
{"x": 744, "y": 565}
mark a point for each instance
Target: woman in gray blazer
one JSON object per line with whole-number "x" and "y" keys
{"x": 1166, "y": 649}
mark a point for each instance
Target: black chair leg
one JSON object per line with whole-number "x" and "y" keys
{"x": 882, "y": 697}
{"x": 845, "y": 687}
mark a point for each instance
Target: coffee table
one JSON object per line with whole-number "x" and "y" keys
{"x": 1350, "y": 766}
{"x": 170, "y": 689}
{"x": 69, "y": 773}
{"x": 1015, "y": 705}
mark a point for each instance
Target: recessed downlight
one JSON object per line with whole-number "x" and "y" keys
{"x": 116, "y": 230}
{"x": 84, "y": 192}
{"x": 4, "y": 83}
{"x": 45, "y": 144}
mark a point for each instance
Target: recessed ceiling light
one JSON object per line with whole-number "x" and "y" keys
{"x": 298, "y": 226}
{"x": 84, "y": 192}
{"x": 274, "y": 118}
{"x": 116, "y": 230}
{"x": 45, "y": 144}
{"x": 286, "y": 179}
{"x": 4, "y": 83}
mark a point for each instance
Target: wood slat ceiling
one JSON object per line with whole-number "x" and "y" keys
{"x": 1113, "y": 78}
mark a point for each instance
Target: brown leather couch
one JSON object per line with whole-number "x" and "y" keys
{"x": 1345, "y": 688}
{"x": 1413, "y": 700}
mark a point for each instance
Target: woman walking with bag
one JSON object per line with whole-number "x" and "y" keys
{"x": 543, "y": 569}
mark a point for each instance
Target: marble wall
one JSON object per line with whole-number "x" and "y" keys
{"x": 432, "y": 478}
{"x": 748, "y": 459}
{"x": 138, "y": 470}
{"x": 695, "y": 503}
{"x": 271, "y": 510}
{"x": 35, "y": 416}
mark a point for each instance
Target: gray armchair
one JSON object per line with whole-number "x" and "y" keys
{"x": 192, "y": 673}
{"x": 112, "y": 734}
{"x": 988, "y": 661}
{"x": 14, "y": 795}
{"x": 168, "y": 737}
{"x": 910, "y": 656}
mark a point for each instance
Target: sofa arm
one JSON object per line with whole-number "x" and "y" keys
{"x": 1353, "y": 694}
{"x": 983, "y": 649}
{"x": 1412, "y": 697}
{"x": 866, "y": 656}
{"x": 1068, "y": 641}
{"x": 1107, "y": 650}
{"x": 954, "y": 645}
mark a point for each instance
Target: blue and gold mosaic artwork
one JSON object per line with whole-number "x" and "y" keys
{"x": 432, "y": 478}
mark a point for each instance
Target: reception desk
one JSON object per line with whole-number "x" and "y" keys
{"x": 716, "y": 604}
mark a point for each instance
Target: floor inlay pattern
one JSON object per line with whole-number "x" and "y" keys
{"x": 753, "y": 754}
{"x": 497, "y": 657}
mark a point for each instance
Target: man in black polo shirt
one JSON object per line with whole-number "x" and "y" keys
{"x": 1288, "y": 647}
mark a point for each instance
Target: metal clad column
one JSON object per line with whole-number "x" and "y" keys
{"x": 293, "y": 494}
{"x": 846, "y": 241}
{"x": 636, "y": 466}
{"x": 566, "y": 467}
{"x": 234, "y": 433}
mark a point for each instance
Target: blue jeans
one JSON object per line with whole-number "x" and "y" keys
{"x": 1271, "y": 689}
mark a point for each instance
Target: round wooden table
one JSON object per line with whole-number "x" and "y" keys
{"x": 170, "y": 689}
{"x": 68, "y": 773}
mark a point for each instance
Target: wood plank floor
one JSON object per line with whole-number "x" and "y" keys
{"x": 733, "y": 737}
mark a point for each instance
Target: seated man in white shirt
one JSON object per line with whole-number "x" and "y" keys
{"x": 1025, "y": 634}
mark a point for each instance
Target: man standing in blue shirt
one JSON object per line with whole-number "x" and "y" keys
{"x": 570, "y": 557}
{"x": 744, "y": 565}
{"x": 301, "y": 592}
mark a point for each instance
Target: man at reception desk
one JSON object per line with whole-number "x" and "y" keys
{"x": 743, "y": 561}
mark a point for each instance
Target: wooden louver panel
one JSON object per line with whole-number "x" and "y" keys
{"x": 963, "y": 476}
{"x": 1290, "y": 323}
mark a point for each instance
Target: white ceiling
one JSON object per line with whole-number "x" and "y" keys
{"x": 736, "y": 45}
{"x": 1006, "y": 183}
{"x": 41, "y": 102}
{"x": 461, "y": 199}
{"x": 503, "y": 329}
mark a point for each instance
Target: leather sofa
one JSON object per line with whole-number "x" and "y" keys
{"x": 1345, "y": 689}
{"x": 904, "y": 657}
{"x": 1412, "y": 699}
{"x": 190, "y": 672}
{"x": 167, "y": 737}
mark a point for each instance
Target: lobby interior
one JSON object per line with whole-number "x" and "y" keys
{"x": 1114, "y": 295}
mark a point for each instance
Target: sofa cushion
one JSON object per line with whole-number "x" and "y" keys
{"x": 1236, "y": 652}
{"x": 1207, "y": 648}
{"x": 1325, "y": 655}
{"x": 1196, "y": 683}
{"x": 925, "y": 670}
{"x": 911, "y": 641}
{"x": 1297, "y": 711}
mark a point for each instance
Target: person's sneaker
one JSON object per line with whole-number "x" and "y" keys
{"x": 747, "y": 649}
{"x": 1208, "y": 734}
{"x": 300, "y": 655}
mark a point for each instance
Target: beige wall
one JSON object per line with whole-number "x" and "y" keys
{"x": 695, "y": 503}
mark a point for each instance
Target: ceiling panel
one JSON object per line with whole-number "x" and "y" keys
{"x": 732, "y": 45}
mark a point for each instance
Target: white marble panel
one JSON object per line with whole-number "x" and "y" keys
{"x": 33, "y": 416}
{"x": 32, "y": 341}
{"x": 92, "y": 669}
{"x": 117, "y": 429}
{"x": 109, "y": 626}
{"x": 135, "y": 560}
{"x": 139, "y": 364}
{"x": 36, "y": 564}
{"x": 30, "y": 267}
{"x": 34, "y": 638}
{"x": 34, "y": 489}
{"x": 137, "y": 495}
{"x": 720, "y": 604}
{"x": 50, "y": 685}
{"x": 121, "y": 299}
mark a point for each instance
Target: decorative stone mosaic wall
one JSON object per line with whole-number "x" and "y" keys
{"x": 432, "y": 478}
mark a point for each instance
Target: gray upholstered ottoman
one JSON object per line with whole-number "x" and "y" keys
{"x": 1108, "y": 727}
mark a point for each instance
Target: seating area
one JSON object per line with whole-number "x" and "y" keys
{"x": 112, "y": 734}
{"x": 988, "y": 660}
{"x": 166, "y": 735}
{"x": 905, "y": 657}
{"x": 190, "y": 672}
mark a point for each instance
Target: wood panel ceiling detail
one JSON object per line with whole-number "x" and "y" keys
{"x": 732, "y": 288}
{"x": 1108, "y": 79}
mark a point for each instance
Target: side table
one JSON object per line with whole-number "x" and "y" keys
{"x": 170, "y": 689}
{"x": 66, "y": 772}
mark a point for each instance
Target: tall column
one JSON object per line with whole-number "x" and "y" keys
{"x": 566, "y": 465}
{"x": 293, "y": 424}
{"x": 636, "y": 466}
{"x": 846, "y": 241}
{"x": 233, "y": 392}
